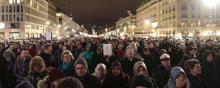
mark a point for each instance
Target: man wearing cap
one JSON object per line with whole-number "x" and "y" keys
{"x": 84, "y": 76}
{"x": 162, "y": 73}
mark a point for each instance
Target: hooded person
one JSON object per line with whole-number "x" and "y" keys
{"x": 178, "y": 79}
{"x": 116, "y": 78}
{"x": 36, "y": 70}
{"x": 82, "y": 73}
{"x": 67, "y": 63}
{"x": 141, "y": 73}
{"x": 100, "y": 72}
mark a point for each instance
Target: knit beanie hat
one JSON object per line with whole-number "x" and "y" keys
{"x": 81, "y": 61}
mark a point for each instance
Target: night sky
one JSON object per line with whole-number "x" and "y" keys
{"x": 96, "y": 12}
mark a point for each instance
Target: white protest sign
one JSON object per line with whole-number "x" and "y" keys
{"x": 49, "y": 36}
{"x": 107, "y": 49}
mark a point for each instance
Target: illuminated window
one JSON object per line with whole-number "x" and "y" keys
{"x": 10, "y": 1}
{"x": 18, "y": 1}
{"x": 14, "y": 35}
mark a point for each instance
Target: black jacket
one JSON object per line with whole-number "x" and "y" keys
{"x": 127, "y": 66}
{"x": 89, "y": 81}
{"x": 161, "y": 75}
{"x": 116, "y": 82}
{"x": 195, "y": 82}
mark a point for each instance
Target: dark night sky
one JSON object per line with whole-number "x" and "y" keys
{"x": 97, "y": 12}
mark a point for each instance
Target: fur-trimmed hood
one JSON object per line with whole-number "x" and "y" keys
{"x": 37, "y": 60}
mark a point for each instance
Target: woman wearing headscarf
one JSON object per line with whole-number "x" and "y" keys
{"x": 100, "y": 72}
{"x": 178, "y": 79}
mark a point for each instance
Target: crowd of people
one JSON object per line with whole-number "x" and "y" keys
{"x": 135, "y": 63}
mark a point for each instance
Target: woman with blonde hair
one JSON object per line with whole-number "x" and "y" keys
{"x": 66, "y": 66}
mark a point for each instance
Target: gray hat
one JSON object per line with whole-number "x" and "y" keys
{"x": 81, "y": 61}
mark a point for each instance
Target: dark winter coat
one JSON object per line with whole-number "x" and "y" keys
{"x": 161, "y": 76}
{"x": 116, "y": 82}
{"x": 127, "y": 66}
{"x": 89, "y": 81}
{"x": 21, "y": 68}
{"x": 195, "y": 82}
{"x": 142, "y": 81}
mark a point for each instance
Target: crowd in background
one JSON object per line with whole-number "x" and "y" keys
{"x": 135, "y": 63}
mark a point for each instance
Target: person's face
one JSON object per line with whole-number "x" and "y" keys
{"x": 141, "y": 87}
{"x": 157, "y": 44}
{"x": 193, "y": 51}
{"x": 80, "y": 70}
{"x": 196, "y": 69}
{"x": 180, "y": 80}
{"x": 64, "y": 48}
{"x": 165, "y": 62}
{"x": 120, "y": 47}
{"x": 116, "y": 71}
{"x": 49, "y": 49}
{"x": 151, "y": 45}
{"x": 60, "y": 46}
{"x": 210, "y": 43}
{"x": 36, "y": 68}
{"x": 101, "y": 71}
{"x": 130, "y": 53}
{"x": 141, "y": 71}
{"x": 30, "y": 46}
{"x": 210, "y": 57}
{"x": 54, "y": 84}
{"x": 99, "y": 51}
{"x": 66, "y": 58}
{"x": 146, "y": 52}
{"x": 24, "y": 54}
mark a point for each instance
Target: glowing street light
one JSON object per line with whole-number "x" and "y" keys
{"x": 146, "y": 22}
{"x": 47, "y": 23}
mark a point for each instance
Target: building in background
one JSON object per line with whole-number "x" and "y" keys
{"x": 126, "y": 26}
{"x": 67, "y": 27}
{"x": 22, "y": 19}
{"x": 185, "y": 18}
{"x": 51, "y": 22}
